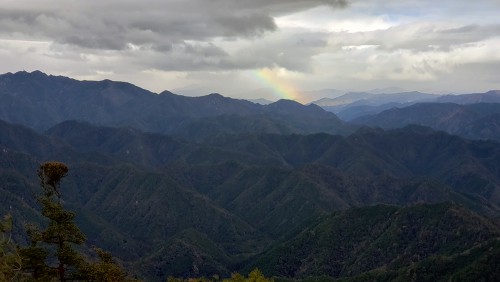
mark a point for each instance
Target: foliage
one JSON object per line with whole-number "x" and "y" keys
{"x": 56, "y": 242}
{"x": 52, "y": 252}
{"x": 104, "y": 270}
{"x": 138, "y": 193}
{"x": 254, "y": 276}
{"x": 50, "y": 175}
{"x": 10, "y": 260}
{"x": 362, "y": 240}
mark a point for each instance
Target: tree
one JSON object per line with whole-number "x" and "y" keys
{"x": 105, "y": 270}
{"x": 10, "y": 260}
{"x": 254, "y": 276}
{"x": 52, "y": 251}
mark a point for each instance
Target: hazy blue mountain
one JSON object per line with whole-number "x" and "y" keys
{"x": 343, "y": 99}
{"x": 261, "y": 101}
{"x": 350, "y": 113}
{"x": 264, "y": 93}
{"x": 474, "y": 121}
{"x": 353, "y": 105}
{"x": 307, "y": 96}
{"x": 40, "y": 101}
{"x": 328, "y": 93}
{"x": 192, "y": 186}
{"x": 492, "y": 96}
{"x": 371, "y": 99}
{"x": 388, "y": 90}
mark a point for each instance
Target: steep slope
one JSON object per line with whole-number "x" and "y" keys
{"x": 276, "y": 200}
{"x": 51, "y": 99}
{"x": 177, "y": 207}
{"x": 126, "y": 210}
{"x": 469, "y": 167}
{"x": 479, "y": 263}
{"x": 127, "y": 144}
{"x": 359, "y": 240}
{"x": 151, "y": 208}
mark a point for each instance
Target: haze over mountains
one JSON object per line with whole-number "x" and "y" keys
{"x": 41, "y": 101}
{"x": 192, "y": 186}
{"x": 470, "y": 121}
{"x": 353, "y": 105}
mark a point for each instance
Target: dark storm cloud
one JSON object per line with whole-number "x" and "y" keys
{"x": 115, "y": 24}
{"x": 173, "y": 43}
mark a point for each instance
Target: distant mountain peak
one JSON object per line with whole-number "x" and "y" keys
{"x": 388, "y": 90}
{"x": 261, "y": 101}
{"x": 43, "y": 102}
{"x": 283, "y": 104}
{"x": 286, "y": 102}
{"x": 33, "y": 73}
{"x": 493, "y": 92}
{"x": 492, "y": 96}
{"x": 215, "y": 95}
{"x": 166, "y": 92}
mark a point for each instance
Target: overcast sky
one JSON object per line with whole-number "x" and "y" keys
{"x": 197, "y": 47}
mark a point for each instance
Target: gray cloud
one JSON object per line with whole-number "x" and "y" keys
{"x": 173, "y": 43}
{"x": 113, "y": 24}
{"x": 290, "y": 51}
{"x": 418, "y": 36}
{"x": 170, "y": 35}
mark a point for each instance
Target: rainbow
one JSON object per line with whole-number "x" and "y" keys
{"x": 280, "y": 87}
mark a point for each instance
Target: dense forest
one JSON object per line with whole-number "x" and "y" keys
{"x": 156, "y": 187}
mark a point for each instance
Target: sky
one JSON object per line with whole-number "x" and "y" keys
{"x": 269, "y": 49}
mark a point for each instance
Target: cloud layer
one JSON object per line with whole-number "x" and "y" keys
{"x": 315, "y": 43}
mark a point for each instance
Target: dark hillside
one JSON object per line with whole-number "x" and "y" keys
{"x": 472, "y": 121}
{"x": 41, "y": 101}
{"x": 382, "y": 238}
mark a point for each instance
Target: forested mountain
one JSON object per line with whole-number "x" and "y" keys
{"x": 167, "y": 206}
{"x": 492, "y": 96}
{"x": 474, "y": 121}
{"x": 410, "y": 152}
{"x": 370, "y": 99}
{"x": 40, "y": 101}
{"x": 185, "y": 186}
{"x": 367, "y": 243}
{"x": 354, "y": 105}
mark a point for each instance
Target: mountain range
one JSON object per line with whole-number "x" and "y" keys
{"x": 40, "y": 101}
{"x": 474, "y": 121}
{"x": 353, "y": 105}
{"x": 244, "y": 193}
{"x": 190, "y": 187}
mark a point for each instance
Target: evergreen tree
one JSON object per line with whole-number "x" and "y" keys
{"x": 52, "y": 251}
{"x": 105, "y": 270}
{"x": 10, "y": 260}
{"x": 255, "y": 276}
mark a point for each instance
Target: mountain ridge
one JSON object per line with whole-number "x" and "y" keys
{"x": 204, "y": 185}
{"x": 474, "y": 121}
{"x": 40, "y": 101}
